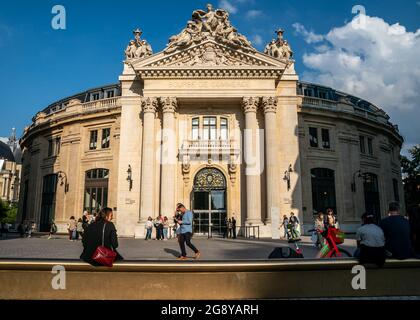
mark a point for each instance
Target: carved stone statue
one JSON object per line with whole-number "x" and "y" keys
{"x": 138, "y": 48}
{"x": 279, "y": 48}
{"x": 205, "y": 25}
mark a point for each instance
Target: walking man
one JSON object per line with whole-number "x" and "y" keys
{"x": 185, "y": 232}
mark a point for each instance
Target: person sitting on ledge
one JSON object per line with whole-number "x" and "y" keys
{"x": 370, "y": 242}
{"x": 93, "y": 236}
{"x": 397, "y": 233}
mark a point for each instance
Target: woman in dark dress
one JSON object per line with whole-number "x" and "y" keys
{"x": 93, "y": 236}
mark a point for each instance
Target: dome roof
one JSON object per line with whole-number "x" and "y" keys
{"x": 5, "y": 152}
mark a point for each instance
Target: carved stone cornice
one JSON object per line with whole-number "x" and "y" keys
{"x": 269, "y": 104}
{"x": 149, "y": 104}
{"x": 250, "y": 104}
{"x": 169, "y": 104}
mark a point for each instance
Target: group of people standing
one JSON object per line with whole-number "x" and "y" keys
{"x": 229, "y": 229}
{"x": 76, "y": 228}
{"x": 164, "y": 229}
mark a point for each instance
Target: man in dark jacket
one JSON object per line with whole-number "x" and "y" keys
{"x": 396, "y": 229}
{"x": 96, "y": 233}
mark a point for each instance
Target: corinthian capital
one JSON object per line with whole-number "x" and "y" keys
{"x": 269, "y": 104}
{"x": 169, "y": 104}
{"x": 149, "y": 104}
{"x": 250, "y": 104}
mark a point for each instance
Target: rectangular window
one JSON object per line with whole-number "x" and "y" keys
{"x": 195, "y": 129}
{"x": 110, "y": 94}
{"x": 50, "y": 147}
{"x": 95, "y": 96}
{"x": 396, "y": 190}
{"x": 106, "y": 138}
{"x": 313, "y": 137}
{"x": 93, "y": 144}
{"x": 57, "y": 146}
{"x": 224, "y": 129}
{"x": 322, "y": 94}
{"x": 362, "y": 144}
{"x": 54, "y": 147}
{"x": 325, "y": 133}
{"x": 370, "y": 146}
{"x": 307, "y": 92}
{"x": 209, "y": 128}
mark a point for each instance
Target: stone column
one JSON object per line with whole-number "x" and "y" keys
{"x": 168, "y": 159}
{"x": 149, "y": 106}
{"x": 272, "y": 177}
{"x": 252, "y": 161}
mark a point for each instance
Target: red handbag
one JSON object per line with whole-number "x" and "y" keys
{"x": 103, "y": 255}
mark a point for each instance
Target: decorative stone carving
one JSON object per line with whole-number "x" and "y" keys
{"x": 138, "y": 48}
{"x": 269, "y": 104}
{"x": 207, "y": 25}
{"x": 169, "y": 104}
{"x": 208, "y": 179}
{"x": 250, "y": 104}
{"x": 279, "y": 48}
{"x": 149, "y": 104}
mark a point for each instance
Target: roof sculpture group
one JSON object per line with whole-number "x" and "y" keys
{"x": 208, "y": 25}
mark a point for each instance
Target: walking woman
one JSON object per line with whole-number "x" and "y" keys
{"x": 72, "y": 226}
{"x": 101, "y": 230}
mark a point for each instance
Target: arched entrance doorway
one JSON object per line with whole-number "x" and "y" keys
{"x": 209, "y": 202}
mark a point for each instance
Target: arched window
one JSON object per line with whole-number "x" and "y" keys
{"x": 323, "y": 190}
{"x": 96, "y": 190}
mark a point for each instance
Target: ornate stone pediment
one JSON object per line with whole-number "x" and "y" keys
{"x": 210, "y": 59}
{"x": 209, "y": 25}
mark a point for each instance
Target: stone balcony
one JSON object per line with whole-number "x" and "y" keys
{"x": 346, "y": 107}
{"x": 72, "y": 108}
{"x": 209, "y": 147}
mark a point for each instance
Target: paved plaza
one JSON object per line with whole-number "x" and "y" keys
{"x": 39, "y": 247}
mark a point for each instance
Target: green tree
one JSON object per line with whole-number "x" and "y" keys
{"x": 8, "y": 213}
{"x": 411, "y": 176}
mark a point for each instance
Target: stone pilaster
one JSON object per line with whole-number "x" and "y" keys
{"x": 168, "y": 156}
{"x": 149, "y": 107}
{"x": 272, "y": 175}
{"x": 252, "y": 161}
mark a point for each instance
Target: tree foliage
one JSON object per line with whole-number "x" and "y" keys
{"x": 411, "y": 176}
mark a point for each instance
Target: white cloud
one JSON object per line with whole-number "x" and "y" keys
{"x": 379, "y": 63}
{"x": 257, "y": 40}
{"x": 228, "y": 5}
{"x": 309, "y": 36}
{"x": 252, "y": 14}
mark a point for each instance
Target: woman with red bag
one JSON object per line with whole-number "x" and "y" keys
{"x": 100, "y": 241}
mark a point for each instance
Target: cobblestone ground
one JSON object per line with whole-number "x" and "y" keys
{"x": 212, "y": 249}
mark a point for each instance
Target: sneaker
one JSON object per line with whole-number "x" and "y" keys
{"x": 49, "y": 237}
{"x": 182, "y": 258}
{"x": 197, "y": 255}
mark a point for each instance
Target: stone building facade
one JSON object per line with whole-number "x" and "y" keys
{"x": 217, "y": 125}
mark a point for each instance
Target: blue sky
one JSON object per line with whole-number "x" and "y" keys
{"x": 39, "y": 65}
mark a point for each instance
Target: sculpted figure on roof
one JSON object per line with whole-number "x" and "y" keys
{"x": 210, "y": 24}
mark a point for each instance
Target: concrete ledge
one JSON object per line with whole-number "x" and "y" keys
{"x": 130, "y": 280}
